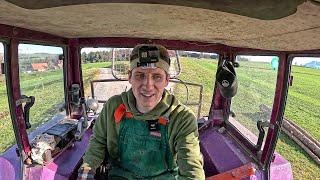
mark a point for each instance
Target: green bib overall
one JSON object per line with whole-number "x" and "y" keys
{"x": 143, "y": 153}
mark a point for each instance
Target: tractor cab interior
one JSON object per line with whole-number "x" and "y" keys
{"x": 61, "y": 61}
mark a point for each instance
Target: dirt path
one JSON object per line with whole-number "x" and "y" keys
{"x": 105, "y": 90}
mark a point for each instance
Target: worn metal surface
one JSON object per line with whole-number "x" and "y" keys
{"x": 221, "y": 153}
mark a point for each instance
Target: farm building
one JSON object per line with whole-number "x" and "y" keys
{"x": 39, "y": 66}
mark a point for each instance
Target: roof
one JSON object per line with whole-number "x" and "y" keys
{"x": 39, "y": 66}
{"x": 272, "y": 25}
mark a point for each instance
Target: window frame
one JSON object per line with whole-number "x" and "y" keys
{"x": 34, "y": 132}
{"x": 263, "y": 156}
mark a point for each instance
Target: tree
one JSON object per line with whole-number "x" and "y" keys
{"x": 84, "y": 57}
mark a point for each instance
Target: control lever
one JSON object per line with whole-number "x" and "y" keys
{"x": 260, "y": 126}
{"x": 82, "y": 124}
{"x": 26, "y": 110}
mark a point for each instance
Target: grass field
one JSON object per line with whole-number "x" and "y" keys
{"x": 303, "y": 106}
{"x": 303, "y": 94}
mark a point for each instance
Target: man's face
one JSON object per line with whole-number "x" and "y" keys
{"x": 148, "y": 86}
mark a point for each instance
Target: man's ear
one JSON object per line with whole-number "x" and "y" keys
{"x": 167, "y": 79}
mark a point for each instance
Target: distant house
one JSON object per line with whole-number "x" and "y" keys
{"x": 39, "y": 66}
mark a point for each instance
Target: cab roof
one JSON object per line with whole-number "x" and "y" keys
{"x": 288, "y": 25}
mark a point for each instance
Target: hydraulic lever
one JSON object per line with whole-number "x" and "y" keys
{"x": 26, "y": 110}
{"x": 260, "y": 126}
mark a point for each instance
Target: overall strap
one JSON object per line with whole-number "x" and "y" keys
{"x": 169, "y": 157}
{"x": 120, "y": 112}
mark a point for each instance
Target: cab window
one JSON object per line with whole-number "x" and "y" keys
{"x": 197, "y": 68}
{"x": 305, "y": 90}
{"x": 257, "y": 77}
{"x": 42, "y": 76}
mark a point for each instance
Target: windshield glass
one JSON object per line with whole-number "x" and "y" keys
{"x": 192, "y": 75}
{"x": 257, "y": 76}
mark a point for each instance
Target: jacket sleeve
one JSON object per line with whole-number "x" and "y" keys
{"x": 97, "y": 147}
{"x": 186, "y": 145}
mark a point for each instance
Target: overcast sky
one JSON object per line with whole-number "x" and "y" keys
{"x": 296, "y": 60}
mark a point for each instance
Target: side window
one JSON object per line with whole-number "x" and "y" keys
{"x": 96, "y": 64}
{"x": 6, "y": 135}
{"x": 303, "y": 102}
{"x": 257, "y": 77}
{"x": 41, "y": 76}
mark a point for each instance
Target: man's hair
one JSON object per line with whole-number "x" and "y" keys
{"x": 164, "y": 58}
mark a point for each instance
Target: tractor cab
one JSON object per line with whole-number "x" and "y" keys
{"x": 62, "y": 61}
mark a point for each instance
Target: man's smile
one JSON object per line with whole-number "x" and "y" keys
{"x": 147, "y": 95}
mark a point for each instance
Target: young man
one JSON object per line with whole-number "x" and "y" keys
{"x": 147, "y": 132}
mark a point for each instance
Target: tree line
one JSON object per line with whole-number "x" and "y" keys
{"x": 98, "y": 56}
{"x": 105, "y": 56}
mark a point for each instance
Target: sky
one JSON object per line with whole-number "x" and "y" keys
{"x": 30, "y": 49}
{"x": 295, "y": 61}
{"x": 303, "y": 60}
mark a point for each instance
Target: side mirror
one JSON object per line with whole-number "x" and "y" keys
{"x": 61, "y": 57}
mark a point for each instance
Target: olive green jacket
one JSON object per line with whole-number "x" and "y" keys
{"x": 182, "y": 129}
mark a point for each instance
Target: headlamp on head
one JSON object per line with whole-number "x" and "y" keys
{"x": 148, "y": 55}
